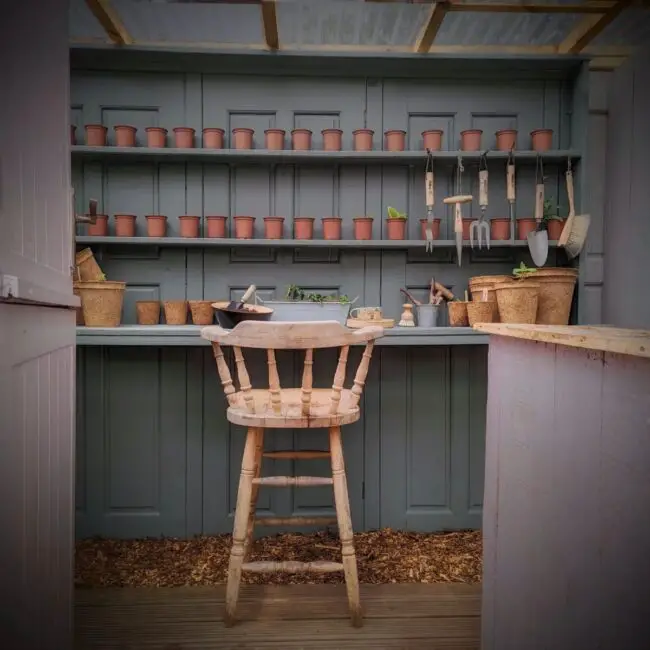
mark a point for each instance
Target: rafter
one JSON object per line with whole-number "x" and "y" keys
{"x": 110, "y": 21}
{"x": 270, "y": 24}
{"x": 436, "y": 15}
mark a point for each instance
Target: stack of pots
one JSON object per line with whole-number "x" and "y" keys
{"x": 479, "y": 283}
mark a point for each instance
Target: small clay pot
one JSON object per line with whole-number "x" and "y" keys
{"x": 332, "y": 227}
{"x": 96, "y": 135}
{"x": 363, "y": 139}
{"x": 156, "y": 225}
{"x": 125, "y": 135}
{"x": 554, "y": 227}
{"x": 435, "y": 228}
{"x": 125, "y": 225}
{"x": 73, "y": 135}
{"x": 396, "y": 228}
{"x": 274, "y": 139}
{"x": 303, "y": 228}
{"x": 432, "y": 139}
{"x": 216, "y": 227}
{"x": 189, "y": 225}
{"x": 244, "y": 227}
{"x": 202, "y": 312}
{"x": 541, "y": 139}
{"x": 506, "y": 139}
{"x": 301, "y": 139}
{"x": 457, "y": 311}
{"x": 466, "y": 227}
{"x": 332, "y": 139}
{"x": 100, "y": 227}
{"x": 273, "y": 227}
{"x": 395, "y": 140}
{"x": 242, "y": 138}
{"x": 184, "y": 137}
{"x": 480, "y": 312}
{"x": 147, "y": 312}
{"x": 525, "y": 226}
{"x": 175, "y": 312}
{"x": 213, "y": 138}
{"x": 470, "y": 139}
{"x": 156, "y": 137}
{"x": 500, "y": 229}
{"x": 362, "y": 228}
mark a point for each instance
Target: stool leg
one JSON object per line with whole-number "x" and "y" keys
{"x": 242, "y": 512}
{"x": 345, "y": 526}
{"x": 259, "y": 449}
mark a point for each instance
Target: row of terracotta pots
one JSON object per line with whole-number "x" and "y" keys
{"x": 506, "y": 139}
{"x": 148, "y": 312}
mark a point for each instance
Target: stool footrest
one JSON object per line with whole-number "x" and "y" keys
{"x": 297, "y": 481}
{"x": 319, "y": 566}
{"x": 304, "y": 454}
{"x": 296, "y": 521}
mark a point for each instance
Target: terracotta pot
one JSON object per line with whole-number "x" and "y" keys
{"x": 500, "y": 229}
{"x": 156, "y": 225}
{"x": 466, "y": 224}
{"x": 242, "y": 138}
{"x": 506, "y": 139}
{"x": 125, "y": 225}
{"x": 541, "y": 139}
{"x": 273, "y": 227}
{"x": 332, "y": 139}
{"x": 244, "y": 227}
{"x": 432, "y": 139}
{"x": 524, "y": 226}
{"x": 435, "y": 228}
{"x": 156, "y": 137}
{"x": 147, "y": 312}
{"x": 396, "y": 228}
{"x": 363, "y": 139}
{"x": 189, "y": 225}
{"x": 470, "y": 139}
{"x": 554, "y": 227}
{"x": 301, "y": 139}
{"x": 184, "y": 137}
{"x": 363, "y": 228}
{"x": 216, "y": 227}
{"x": 202, "y": 312}
{"x": 303, "y": 228}
{"x": 100, "y": 227}
{"x": 213, "y": 138}
{"x": 274, "y": 139}
{"x": 175, "y": 312}
{"x": 73, "y": 134}
{"x": 125, "y": 135}
{"x": 332, "y": 227}
{"x": 96, "y": 135}
{"x": 395, "y": 140}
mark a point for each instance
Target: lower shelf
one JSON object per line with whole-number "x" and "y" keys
{"x": 188, "y": 335}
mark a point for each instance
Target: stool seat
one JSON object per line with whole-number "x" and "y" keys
{"x": 291, "y": 409}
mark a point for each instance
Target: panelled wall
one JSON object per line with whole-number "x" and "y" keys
{"x": 155, "y": 455}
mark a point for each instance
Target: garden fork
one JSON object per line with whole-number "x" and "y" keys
{"x": 429, "y": 184}
{"x": 480, "y": 229}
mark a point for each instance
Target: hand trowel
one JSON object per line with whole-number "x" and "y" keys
{"x": 538, "y": 239}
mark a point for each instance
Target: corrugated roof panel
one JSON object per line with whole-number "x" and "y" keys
{"x": 630, "y": 29}
{"x": 82, "y": 23}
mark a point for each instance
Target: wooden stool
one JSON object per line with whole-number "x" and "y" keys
{"x": 291, "y": 408}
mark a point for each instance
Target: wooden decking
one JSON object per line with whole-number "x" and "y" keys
{"x": 314, "y": 617}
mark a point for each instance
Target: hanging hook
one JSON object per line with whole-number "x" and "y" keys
{"x": 429, "y": 165}
{"x": 568, "y": 164}
{"x": 482, "y": 163}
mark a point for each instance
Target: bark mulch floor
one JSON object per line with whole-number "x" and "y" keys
{"x": 383, "y": 556}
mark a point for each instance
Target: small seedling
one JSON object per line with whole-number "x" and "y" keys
{"x": 551, "y": 212}
{"x": 294, "y": 292}
{"x": 523, "y": 271}
{"x": 395, "y": 214}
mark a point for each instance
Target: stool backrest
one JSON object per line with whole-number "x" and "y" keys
{"x": 308, "y": 336}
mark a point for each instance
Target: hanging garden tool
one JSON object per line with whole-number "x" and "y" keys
{"x": 457, "y": 201}
{"x": 479, "y": 229}
{"x": 574, "y": 233}
{"x": 538, "y": 239}
{"x": 429, "y": 185}
{"x": 510, "y": 193}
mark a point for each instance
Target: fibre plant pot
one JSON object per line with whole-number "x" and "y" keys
{"x": 125, "y": 225}
{"x": 362, "y": 228}
{"x": 480, "y": 312}
{"x": 125, "y": 135}
{"x": 517, "y": 301}
{"x": 156, "y": 137}
{"x": 457, "y": 313}
{"x": 466, "y": 228}
{"x": 213, "y": 138}
{"x": 506, "y": 140}
{"x": 556, "y": 287}
{"x": 73, "y": 134}
{"x": 189, "y": 225}
{"x": 554, "y": 227}
{"x": 541, "y": 139}
{"x": 525, "y": 226}
{"x": 244, "y": 227}
{"x": 432, "y": 139}
{"x": 301, "y": 140}
{"x": 303, "y": 228}
{"x": 184, "y": 137}
{"x": 332, "y": 227}
{"x": 435, "y": 228}
{"x": 202, "y": 312}
{"x": 87, "y": 269}
{"x": 470, "y": 139}
{"x": 175, "y": 312}
{"x": 273, "y": 227}
{"x": 100, "y": 227}
{"x": 101, "y": 302}
{"x": 332, "y": 139}
{"x": 216, "y": 227}
{"x": 96, "y": 135}
{"x": 395, "y": 140}
{"x": 156, "y": 225}
{"x": 396, "y": 228}
{"x": 147, "y": 312}
{"x": 242, "y": 138}
{"x": 499, "y": 229}
{"x": 362, "y": 139}
{"x": 274, "y": 139}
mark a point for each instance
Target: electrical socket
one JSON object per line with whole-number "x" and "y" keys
{"x": 8, "y": 286}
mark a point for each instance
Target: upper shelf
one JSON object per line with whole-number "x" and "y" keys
{"x": 288, "y": 156}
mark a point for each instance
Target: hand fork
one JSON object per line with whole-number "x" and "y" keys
{"x": 429, "y": 184}
{"x": 480, "y": 229}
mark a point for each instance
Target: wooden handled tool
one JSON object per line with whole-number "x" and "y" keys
{"x": 510, "y": 195}
{"x": 410, "y": 297}
{"x": 458, "y": 198}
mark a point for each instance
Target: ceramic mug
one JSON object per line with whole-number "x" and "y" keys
{"x": 367, "y": 313}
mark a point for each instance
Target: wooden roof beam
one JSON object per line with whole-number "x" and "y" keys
{"x": 270, "y": 24}
{"x": 110, "y": 21}
{"x": 591, "y": 7}
{"x": 428, "y": 34}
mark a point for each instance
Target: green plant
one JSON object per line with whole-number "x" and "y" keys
{"x": 395, "y": 214}
{"x": 551, "y": 211}
{"x": 523, "y": 271}
{"x": 294, "y": 292}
